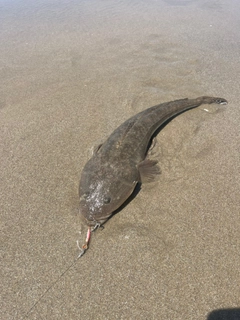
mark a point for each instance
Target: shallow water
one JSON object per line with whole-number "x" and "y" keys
{"x": 70, "y": 72}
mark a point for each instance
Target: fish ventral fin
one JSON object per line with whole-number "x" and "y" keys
{"x": 149, "y": 170}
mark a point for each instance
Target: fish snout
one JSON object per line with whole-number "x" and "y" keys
{"x": 90, "y": 219}
{"x": 95, "y": 223}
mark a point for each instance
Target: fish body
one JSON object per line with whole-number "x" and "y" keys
{"x": 111, "y": 175}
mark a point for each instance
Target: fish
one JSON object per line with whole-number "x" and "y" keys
{"x": 110, "y": 176}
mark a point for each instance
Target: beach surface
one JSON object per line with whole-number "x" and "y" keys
{"x": 70, "y": 73}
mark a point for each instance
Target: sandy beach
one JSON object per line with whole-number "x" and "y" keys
{"x": 70, "y": 73}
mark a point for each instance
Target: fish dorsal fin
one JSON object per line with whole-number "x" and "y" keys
{"x": 148, "y": 170}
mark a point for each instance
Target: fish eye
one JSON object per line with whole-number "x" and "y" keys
{"x": 107, "y": 200}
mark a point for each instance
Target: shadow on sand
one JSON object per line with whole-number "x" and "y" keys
{"x": 225, "y": 314}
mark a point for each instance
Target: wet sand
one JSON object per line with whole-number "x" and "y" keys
{"x": 70, "y": 73}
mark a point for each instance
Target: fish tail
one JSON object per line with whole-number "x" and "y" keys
{"x": 209, "y": 100}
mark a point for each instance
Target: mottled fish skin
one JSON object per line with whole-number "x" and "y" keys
{"x": 111, "y": 175}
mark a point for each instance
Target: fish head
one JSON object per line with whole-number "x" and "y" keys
{"x": 102, "y": 191}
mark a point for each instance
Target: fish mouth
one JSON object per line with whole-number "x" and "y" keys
{"x": 93, "y": 218}
{"x": 94, "y": 222}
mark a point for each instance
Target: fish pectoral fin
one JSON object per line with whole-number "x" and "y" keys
{"x": 148, "y": 170}
{"x": 97, "y": 148}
